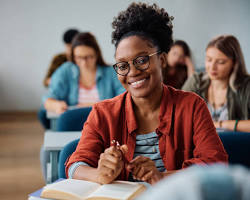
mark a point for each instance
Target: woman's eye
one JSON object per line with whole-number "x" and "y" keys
{"x": 141, "y": 60}
{"x": 221, "y": 61}
{"x": 122, "y": 67}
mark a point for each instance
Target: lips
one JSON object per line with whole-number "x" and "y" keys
{"x": 137, "y": 83}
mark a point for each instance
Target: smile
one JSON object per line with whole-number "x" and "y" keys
{"x": 137, "y": 84}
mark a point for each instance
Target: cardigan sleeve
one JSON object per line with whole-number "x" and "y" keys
{"x": 208, "y": 147}
{"x": 91, "y": 143}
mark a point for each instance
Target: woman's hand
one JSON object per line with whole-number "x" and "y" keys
{"x": 144, "y": 169}
{"x": 60, "y": 107}
{"x": 110, "y": 164}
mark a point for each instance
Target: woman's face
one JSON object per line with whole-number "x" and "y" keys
{"x": 218, "y": 65}
{"x": 176, "y": 56}
{"x": 140, "y": 84}
{"x": 85, "y": 57}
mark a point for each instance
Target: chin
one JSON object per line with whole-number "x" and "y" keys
{"x": 139, "y": 94}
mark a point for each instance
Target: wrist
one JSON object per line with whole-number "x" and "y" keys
{"x": 220, "y": 124}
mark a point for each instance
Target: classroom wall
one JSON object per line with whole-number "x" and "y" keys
{"x": 31, "y": 31}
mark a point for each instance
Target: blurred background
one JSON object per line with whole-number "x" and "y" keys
{"x": 31, "y": 34}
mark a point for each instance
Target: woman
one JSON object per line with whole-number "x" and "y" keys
{"x": 226, "y": 84}
{"x": 85, "y": 81}
{"x": 179, "y": 65}
{"x": 156, "y": 129}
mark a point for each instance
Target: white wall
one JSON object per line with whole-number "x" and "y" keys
{"x": 31, "y": 30}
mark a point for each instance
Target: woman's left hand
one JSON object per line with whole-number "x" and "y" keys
{"x": 144, "y": 169}
{"x": 216, "y": 124}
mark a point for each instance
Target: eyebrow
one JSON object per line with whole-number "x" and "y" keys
{"x": 142, "y": 53}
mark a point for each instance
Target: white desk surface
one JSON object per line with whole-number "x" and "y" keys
{"x": 57, "y": 140}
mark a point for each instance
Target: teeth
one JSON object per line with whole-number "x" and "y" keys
{"x": 138, "y": 82}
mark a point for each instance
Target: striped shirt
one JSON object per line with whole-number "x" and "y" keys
{"x": 88, "y": 95}
{"x": 146, "y": 145}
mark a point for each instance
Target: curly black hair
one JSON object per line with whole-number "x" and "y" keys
{"x": 147, "y": 21}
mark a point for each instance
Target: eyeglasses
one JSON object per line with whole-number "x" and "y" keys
{"x": 86, "y": 58}
{"x": 141, "y": 63}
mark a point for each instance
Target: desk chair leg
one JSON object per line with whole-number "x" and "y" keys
{"x": 53, "y": 166}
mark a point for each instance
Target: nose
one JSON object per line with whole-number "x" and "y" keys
{"x": 213, "y": 66}
{"x": 133, "y": 70}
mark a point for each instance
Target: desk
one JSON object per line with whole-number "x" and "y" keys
{"x": 53, "y": 118}
{"x": 54, "y": 142}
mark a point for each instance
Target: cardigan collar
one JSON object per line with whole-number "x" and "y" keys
{"x": 165, "y": 115}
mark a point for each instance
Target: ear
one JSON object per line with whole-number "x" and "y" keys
{"x": 163, "y": 59}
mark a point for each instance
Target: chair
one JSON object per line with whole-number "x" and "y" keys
{"x": 64, "y": 154}
{"x": 237, "y": 145}
{"x": 73, "y": 120}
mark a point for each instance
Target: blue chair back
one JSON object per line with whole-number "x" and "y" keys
{"x": 63, "y": 156}
{"x": 237, "y": 145}
{"x": 73, "y": 120}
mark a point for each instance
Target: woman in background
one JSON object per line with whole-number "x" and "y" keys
{"x": 226, "y": 84}
{"x": 81, "y": 83}
{"x": 179, "y": 65}
{"x": 84, "y": 81}
{"x": 56, "y": 62}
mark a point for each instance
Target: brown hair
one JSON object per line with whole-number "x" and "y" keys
{"x": 87, "y": 39}
{"x": 230, "y": 46}
{"x": 57, "y": 61}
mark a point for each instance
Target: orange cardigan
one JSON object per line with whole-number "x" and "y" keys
{"x": 186, "y": 131}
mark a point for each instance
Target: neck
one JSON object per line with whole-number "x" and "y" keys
{"x": 219, "y": 84}
{"x": 145, "y": 106}
{"x": 88, "y": 76}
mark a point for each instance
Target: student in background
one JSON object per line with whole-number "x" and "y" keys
{"x": 159, "y": 129}
{"x": 84, "y": 81}
{"x": 226, "y": 84}
{"x": 179, "y": 65}
{"x": 61, "y": 58}
{"x": 57, "y": 61}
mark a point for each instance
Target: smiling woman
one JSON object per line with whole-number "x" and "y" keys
{"x": 160, "y": 129}
{"x": 226, "y": 84}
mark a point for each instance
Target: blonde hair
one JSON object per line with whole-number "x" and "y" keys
{"x": 230, "y": 46}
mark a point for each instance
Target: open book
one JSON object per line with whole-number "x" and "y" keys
{"x": 72, "y": 189}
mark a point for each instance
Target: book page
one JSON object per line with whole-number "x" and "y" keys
{"x": 117, "y": 190}
{"x": 69, "y": 189}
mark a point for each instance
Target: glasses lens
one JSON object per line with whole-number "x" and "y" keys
{"x": 141, "y": 62}
{"x": 121, "y": 68}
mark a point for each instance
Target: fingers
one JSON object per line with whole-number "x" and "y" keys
{"x": 61, "y": 107}
{"x": 114, "y": 152}
{"x": 124, "y": 149}
{"x": 110, "y": 163}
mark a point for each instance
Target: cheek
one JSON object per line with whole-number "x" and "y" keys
{"x": 122, "y": 79}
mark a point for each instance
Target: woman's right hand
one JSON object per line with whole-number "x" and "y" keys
{"x": 110, "y": 164}
{"x": 60, "y": 107}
